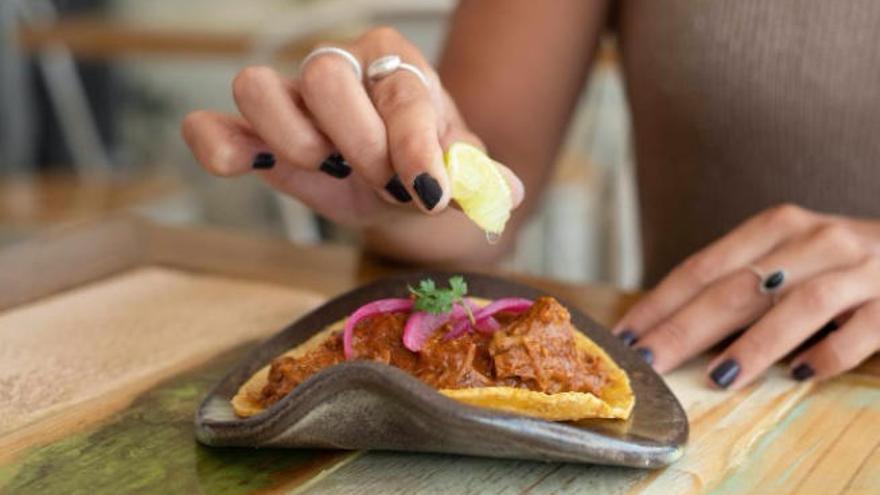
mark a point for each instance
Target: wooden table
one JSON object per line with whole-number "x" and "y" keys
{"x": 111, "y": 333}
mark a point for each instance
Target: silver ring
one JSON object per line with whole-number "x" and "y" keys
{"x": 384, "y": 66}
{"x": 325, "y": 50}
{"x": 769, "y": 283}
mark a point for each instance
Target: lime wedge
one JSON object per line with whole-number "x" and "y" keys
{"x": 478, "y": 187}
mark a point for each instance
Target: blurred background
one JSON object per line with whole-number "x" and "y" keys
{"x": 92, "y": 93}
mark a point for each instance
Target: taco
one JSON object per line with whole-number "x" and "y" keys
{"x": 512, "y": 354}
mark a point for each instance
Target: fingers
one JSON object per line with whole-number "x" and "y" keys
{"x": 413, "y": 140}
{"x": 793, "y": 320}
{"x": 411, "y": 118}
{"x": 735, "y": 301}
{"x": 271, "y": 105}
{"x": 517, "y": 189}
{"x": 730, "y": 304}
{"x": 342, "y": 109}
{"x": 224, "y": 144}
{"x": 751, "y": 240}
{"x": 414, "y": 145}
{"x": 389, "y": 132}
{"x": 350, "y": 202}
{"x": 844, "y": 349}
{"x": 227, "y": 146}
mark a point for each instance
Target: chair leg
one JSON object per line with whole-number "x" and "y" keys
{"x": 17, "y": 126}
{"x": 67, "y": 95}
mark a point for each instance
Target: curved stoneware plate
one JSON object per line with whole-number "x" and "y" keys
{"x": 368, "y": 405}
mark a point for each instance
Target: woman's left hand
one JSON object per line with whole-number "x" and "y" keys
{"x": 830, "y": 271}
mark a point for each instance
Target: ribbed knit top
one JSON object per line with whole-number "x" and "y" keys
{"x": 742, "y": 104}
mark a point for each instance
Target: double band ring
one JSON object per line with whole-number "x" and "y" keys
{"x": 328, "y": 50}
{"x": 769, "y": 283}
{"x": 384, "y": 66}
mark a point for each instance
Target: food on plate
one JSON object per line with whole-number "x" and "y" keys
{"x": 510, "y": 354}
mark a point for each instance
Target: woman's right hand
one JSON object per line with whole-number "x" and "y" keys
{"x": 295, "y": 133}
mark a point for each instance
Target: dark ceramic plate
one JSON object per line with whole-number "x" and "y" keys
{"x": 368, "y": 405}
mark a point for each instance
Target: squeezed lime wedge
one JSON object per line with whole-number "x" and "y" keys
{"x": 479, "y": 188}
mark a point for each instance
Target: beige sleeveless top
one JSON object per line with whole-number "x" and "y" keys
{"x": 742, "y": 104}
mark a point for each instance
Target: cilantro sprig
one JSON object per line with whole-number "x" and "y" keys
{"x": 434, "y": 300}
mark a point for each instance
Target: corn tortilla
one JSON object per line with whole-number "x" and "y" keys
{"x": 615, "y": 401}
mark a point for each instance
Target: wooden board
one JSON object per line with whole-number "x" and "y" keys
{"x": 99, "y": 424}
{"x": 122, "y": 335}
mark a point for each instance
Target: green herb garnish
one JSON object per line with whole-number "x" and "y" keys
{"x": 433, "y": 300}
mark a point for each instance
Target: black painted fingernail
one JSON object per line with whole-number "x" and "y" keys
{"x": 428, "y": 190}
{"x": 336, "y": 166}
{"x": 829, "y": 327}
{"x": 802, "y": 372}
{"x": 263, "y": 161}
{"x": 725, "y": 373}
{"x": 628, "y": 337}
{"x": 646, "y": 354}
{"x": 396, "y": 189}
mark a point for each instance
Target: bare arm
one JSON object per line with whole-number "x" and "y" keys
{"x": 515, "y": 69}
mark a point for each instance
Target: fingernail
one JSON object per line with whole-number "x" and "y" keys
{"x": 829, "y": 327}
{"x": 646, "y": 354}
{"x": 336, "y": 166}
{"x": 802, "y": 372}
{"x": 428, "y": 189}
{"x": 628, "y": 337}
{"x": 396, "y": 189}
{"x": 263, "y": 161}
{"x": 725, "y": 373}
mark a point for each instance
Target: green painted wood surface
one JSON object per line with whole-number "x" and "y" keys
{"x": 826, "y": 442}
{"x": 150, "y": 448}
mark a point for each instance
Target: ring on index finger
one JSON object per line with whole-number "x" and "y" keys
{"x": 386, "y": 65}
{"x": 332, "y": 50}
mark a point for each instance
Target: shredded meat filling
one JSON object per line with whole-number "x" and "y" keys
{"x": 535, "y": 351}
{"x": 539, "y": 352}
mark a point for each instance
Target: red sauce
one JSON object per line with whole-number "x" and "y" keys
{"x": 534, "y": 350}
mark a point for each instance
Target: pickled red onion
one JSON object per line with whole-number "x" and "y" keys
{"x": 420, "y": 325}
{"x": 488, "y": 325}
{"x": 461, "y": 326}
{"x": 483, "y": 316}
{"x": 366, "y": 311}
{"x": 460, "y": 322}
{"x": 508, "y": 304}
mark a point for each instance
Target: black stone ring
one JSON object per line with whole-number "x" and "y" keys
{"x": 771, "y": 282}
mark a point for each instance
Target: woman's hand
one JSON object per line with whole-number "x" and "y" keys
{"x": 353, "y": 152}
{"x": 831, "y": 272}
